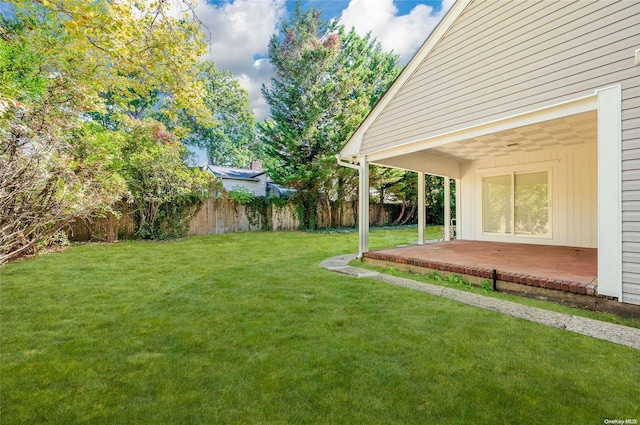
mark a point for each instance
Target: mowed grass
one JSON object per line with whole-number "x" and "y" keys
{"x": 248, "y": 329}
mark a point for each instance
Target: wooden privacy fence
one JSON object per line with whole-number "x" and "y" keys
{"x": 222, "y": 215}
{"x": 108, "y": 229}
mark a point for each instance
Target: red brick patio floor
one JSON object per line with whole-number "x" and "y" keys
{"x": 568, "y": 269}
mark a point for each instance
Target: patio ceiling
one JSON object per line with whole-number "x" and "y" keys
{"x": 571, "y": 130}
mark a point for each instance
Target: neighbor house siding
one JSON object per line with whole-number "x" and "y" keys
{"x": 574, "y": 202}
{"x": 258, "y": 188}
{"x": 631, "y": 190}
{"x": 480, "y": 72}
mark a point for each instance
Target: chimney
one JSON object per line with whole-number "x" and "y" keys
{"x": 256, "y": 165}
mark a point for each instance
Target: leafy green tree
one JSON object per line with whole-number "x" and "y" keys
{"x": 44, "y": 184}
{"x": 57, "y": 60}
{"x": 387, "y": 183}
{"x": 165, "y": 193}
{"x": 406, "y": 191}
{"x": 228, "y": 138}
{"x": 133, "y": 48}
{"x": 326, "y": 81}
{"x": 434, "y": 199}
{"x": 228, "y": 142}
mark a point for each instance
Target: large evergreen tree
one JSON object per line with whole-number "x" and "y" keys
{"x": 326, "y": 81}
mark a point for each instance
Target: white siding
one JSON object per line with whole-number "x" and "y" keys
{"x": 574, "y": 200}
{"x": 631, "y": 190}
{"x": 480, "y": 71}
{"x": 504, "y": 58}
{"x": 258, "y": 188}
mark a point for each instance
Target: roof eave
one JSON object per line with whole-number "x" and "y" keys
{"x": 244, "y": 179}
{"x": 353, "y": 147}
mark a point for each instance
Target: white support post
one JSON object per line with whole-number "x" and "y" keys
{"x": 609, "y": 192}
{"x": 458, "y": 209}
{"x": 447, "y": 209}
{"x": 363, "y": 216}
{"x": 421, "y": 208}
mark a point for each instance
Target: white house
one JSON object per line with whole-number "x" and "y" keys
{"x": 252, "y": 179}
{"x": 533, "y": 107}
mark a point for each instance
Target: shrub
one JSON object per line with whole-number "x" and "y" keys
{"x": 241, "y": 195}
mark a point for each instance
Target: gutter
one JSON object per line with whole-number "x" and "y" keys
{"x": 346, "y": 164}
{"x": 244, "y": 179}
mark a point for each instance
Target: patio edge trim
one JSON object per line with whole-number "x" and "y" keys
{"x": 618, "y": 334}
{"x": 589, "y": 289}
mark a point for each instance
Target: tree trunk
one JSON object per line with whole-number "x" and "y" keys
{"x": 329, "y": 215}
{"x": 380, "y": 212}
{"x": 404, "y": 206}
{"x": 309, "y": 212}
{"x": 410, "y": 215}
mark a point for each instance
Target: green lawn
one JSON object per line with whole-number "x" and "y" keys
{"x": 248, "y": 329}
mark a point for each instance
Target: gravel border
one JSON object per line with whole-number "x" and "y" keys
{"x": 618, "y": 334}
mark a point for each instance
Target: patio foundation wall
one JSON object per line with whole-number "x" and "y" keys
{"x": 524, "y": 286}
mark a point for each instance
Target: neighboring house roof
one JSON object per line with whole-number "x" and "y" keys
{"x": 235, "y": 173}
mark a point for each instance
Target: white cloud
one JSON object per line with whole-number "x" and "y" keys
{"x": 252, "y": 83}
{"x": 403, "y": 34}
{"x": 240, "y": 32}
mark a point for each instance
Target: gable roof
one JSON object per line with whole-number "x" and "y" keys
{"x": 496, "y": 62}
{"x": 235, "y": 173}
{"x": 354, "y": 145}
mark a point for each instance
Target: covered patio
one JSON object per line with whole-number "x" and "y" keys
{"x": 551, "y": 268}
{"x": 534, "y": 141}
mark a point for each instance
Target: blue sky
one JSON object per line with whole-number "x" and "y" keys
{"x": 333, "y": 8}
{"x": 240, "y": 31}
